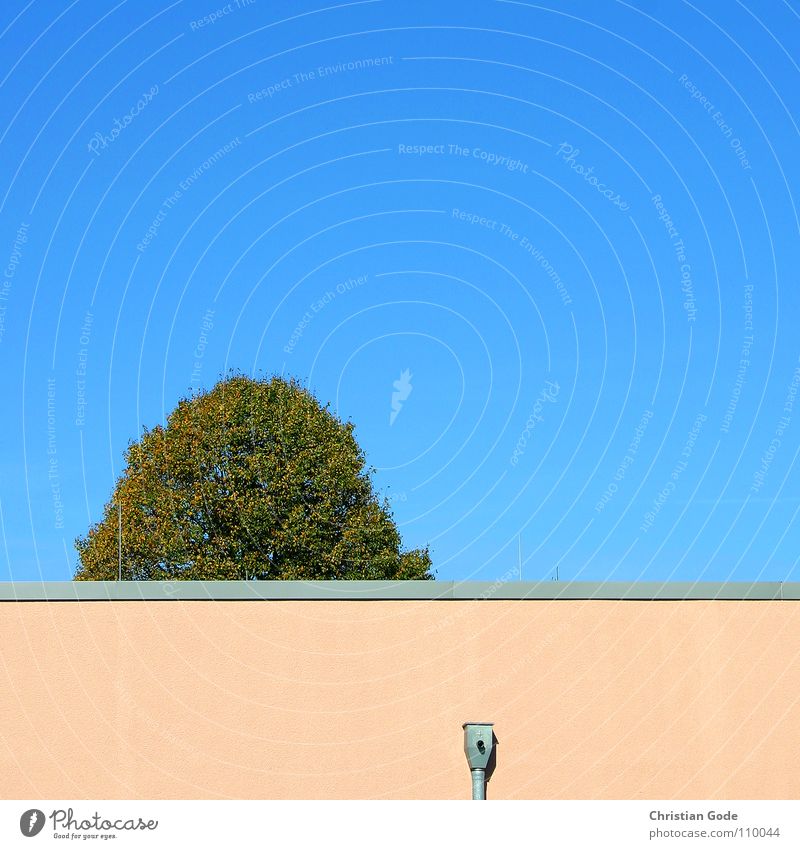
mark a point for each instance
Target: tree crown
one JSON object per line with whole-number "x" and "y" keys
{"x": 252, "y": 479}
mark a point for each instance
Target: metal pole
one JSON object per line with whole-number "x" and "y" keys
{"x": 478, "y": 747}
{"x": 479, "y": 784}
{"x": 119, "y": 537}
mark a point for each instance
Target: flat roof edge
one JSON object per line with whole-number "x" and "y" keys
{"x": 396, "y": 591}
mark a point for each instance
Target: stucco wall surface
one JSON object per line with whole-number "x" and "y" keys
{"x": 341, "y": 699}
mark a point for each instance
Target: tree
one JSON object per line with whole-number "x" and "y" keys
{"x": 252, "y": 479}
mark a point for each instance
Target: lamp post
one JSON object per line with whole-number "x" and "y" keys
{"x": 478, "y": 744}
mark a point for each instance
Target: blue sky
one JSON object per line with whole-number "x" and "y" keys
{"x": 572, "y": 227}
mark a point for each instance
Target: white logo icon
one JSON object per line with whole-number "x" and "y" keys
{"x": 403, "y": 389}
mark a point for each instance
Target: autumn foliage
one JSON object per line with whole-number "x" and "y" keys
{"x": 251, "y": 480}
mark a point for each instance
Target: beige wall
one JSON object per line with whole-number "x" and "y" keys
{"x": 324, "y": 699}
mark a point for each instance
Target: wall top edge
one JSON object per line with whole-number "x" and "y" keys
{"x": 397, "y": 591}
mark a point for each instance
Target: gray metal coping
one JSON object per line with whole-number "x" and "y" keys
{"x": 395, "y": 591}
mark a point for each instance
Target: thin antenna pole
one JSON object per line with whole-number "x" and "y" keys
{"x": 119, "y": 538}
